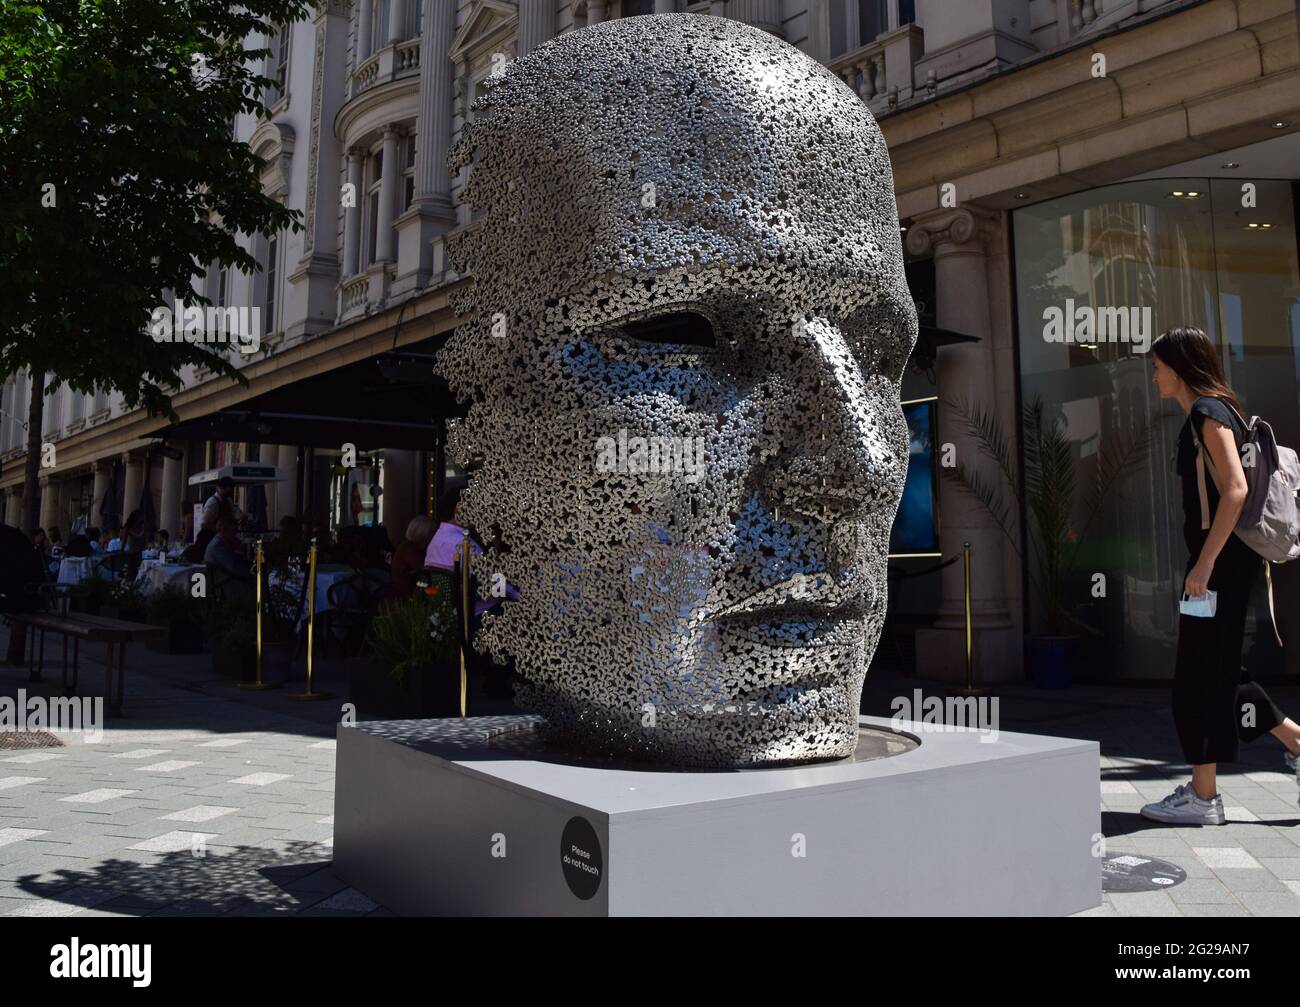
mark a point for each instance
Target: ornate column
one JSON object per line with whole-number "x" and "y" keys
{"x": 765, "y": 14}
{"x": 14, "y": 508}
{"x": 400, "y": 502}
{"x": 318, "y": 269}
{"x": 396, "y": 21}
{"x": 364, "y": 31}
{"x": 133, "y": 485}
{"x": 49, "y": 502}
{"x": 665, "y": 6}
{"x": 103, "y": 475}
{"x": 269, "y": 454}
{"x": 352, "y": 217}
{"x": 819, "y": 30}
{"x": 434, "y": 214}
{"x": 286, "y": 493}
{"x": 387, "y": 197}
{"x": 173, "y": 492}
{"x": 536, "y": 24}
{"x": 596, "y": 11}
{"x": 718, "y": 8}
{"x": 962, "y": 241}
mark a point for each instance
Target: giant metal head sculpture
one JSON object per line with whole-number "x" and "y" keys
{"x": 687, "y": 325}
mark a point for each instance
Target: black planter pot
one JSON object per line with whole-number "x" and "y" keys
{"x": 181, "y": 638}
{"x": 229, "y": 662}
{"x": 1050, "y": 660}
{"x": 276, "y": 659}
{"x": 433, "y": 691}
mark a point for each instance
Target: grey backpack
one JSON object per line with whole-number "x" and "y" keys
{"x": 1270, "y": 519}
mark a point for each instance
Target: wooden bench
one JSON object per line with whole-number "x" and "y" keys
{"x": 116, "y": 633}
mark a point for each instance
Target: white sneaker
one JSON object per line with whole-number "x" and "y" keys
{"x": 1183, "y": 807}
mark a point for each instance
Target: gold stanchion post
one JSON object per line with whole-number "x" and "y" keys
{"x": 311, "y": 627}
{"x": 970, "y": 687}
{"x": 258, "y": 566}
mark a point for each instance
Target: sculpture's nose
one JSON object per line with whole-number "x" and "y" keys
{"x": 841, "y": 439}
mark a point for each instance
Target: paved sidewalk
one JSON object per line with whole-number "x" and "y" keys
{"x": 206, "y": 799}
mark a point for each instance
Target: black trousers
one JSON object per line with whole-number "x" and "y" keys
{"x": 1216, "y": 705}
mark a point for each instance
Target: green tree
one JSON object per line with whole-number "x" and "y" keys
{"x": 122, "y": 181}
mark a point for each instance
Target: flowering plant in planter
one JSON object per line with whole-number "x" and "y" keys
{"x": 415, "y": 633}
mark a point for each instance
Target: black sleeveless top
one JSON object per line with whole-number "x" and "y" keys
{"x": 1215, "y": 409}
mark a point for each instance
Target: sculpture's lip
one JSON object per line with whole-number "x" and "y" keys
{"x": 802, "y": 596}
{"x": 780, "y": 693}
{"x": 790, "y": 613}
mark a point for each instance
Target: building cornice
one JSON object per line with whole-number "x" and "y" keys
{"x": 1203, "y": 79}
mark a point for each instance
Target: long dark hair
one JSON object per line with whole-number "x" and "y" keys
{"x": 1190, "y": 354}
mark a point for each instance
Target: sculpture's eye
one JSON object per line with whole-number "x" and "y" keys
{"x": 681, "y": 328}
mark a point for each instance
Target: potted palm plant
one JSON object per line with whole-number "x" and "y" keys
{"x": 1050, "y": 489}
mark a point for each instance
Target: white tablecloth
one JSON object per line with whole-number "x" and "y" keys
{"x": 155, "y": 574}
{"x": 73, "y": 569}
{"x": 325, "y": 579}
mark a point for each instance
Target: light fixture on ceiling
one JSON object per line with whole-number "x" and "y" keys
{"x": 1259, "y": 226}
{"x": 1185, "y": 194}
{"x": 1231, "y": 164}
{"x": 1280, "y": 124}
{"x": 1022, "y": 195}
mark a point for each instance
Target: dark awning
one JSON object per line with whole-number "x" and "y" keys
{"x": 392, "y": 400}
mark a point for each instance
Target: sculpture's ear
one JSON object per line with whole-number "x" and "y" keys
{"x": 685, "y": 327}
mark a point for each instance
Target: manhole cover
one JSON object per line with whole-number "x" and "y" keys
{"x": 12, "y": 740}
{"x": 1129, "y": 872}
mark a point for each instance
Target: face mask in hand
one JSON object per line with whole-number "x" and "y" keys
{"x": 1203, "y": 606}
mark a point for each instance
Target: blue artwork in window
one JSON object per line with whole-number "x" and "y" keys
{"x": 914, "y": 528}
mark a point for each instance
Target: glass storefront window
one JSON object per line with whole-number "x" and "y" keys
{"x": 1166, "y": 252}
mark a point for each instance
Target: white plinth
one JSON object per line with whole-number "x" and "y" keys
{"x": 430, "y": 819}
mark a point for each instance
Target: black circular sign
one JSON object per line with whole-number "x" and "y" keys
{"x": 1132, "y": 872}
{"x": 580, "y": 858}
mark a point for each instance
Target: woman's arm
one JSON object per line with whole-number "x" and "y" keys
{"x": 1231, "y": 481}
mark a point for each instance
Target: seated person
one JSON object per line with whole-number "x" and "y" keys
{"x": 444, "y": 547}
{"x": 162, "y": 542}
{"x": 78, "y": 546}
{"x": 226, "y": 553}
{"x": 291, "y": 532}
{"x": 93, "y": 540}
{"x": 408, "y": 560}
{"x": 134, "y": 539}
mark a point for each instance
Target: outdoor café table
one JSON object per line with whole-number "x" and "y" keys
{"x": 117, "y": 633}
{"x": 327, "y": 575}
{"x": 155, "y": 575}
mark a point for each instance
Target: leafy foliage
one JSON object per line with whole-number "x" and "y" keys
{"x": 125, "y": 107}
{"x": 1050, "y": 489}
{"x": 410, "y": 634}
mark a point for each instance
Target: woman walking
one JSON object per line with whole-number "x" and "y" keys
{"x": 1215, "y": 703}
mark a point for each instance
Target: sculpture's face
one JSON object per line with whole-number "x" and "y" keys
{"x": 690, "y": 237}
